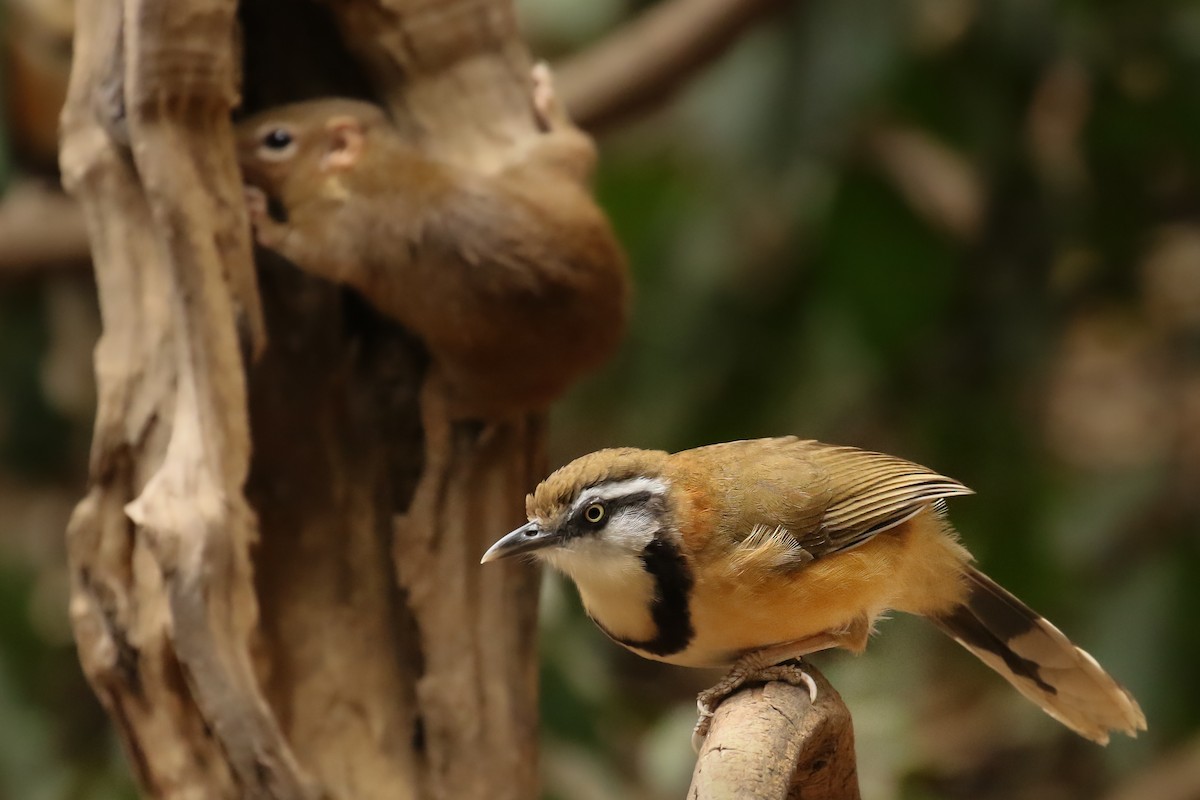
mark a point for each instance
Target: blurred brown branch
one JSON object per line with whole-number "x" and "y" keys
{"x": 770, "y": 742}
{"x": 649, "y": 58}
{"x": 939, "y": 184}
{"x": 40, "y": 227}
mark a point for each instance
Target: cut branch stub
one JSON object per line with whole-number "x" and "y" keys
{"x": 771, "y": 743}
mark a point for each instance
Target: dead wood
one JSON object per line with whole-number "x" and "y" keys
{"x": 770, "y": 743}
{"x": 276, "y": 588}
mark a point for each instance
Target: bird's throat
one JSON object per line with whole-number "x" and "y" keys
{"x": 642, "y": 604}
{"x": 618, "y": 598}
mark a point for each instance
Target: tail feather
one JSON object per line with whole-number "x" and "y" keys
{"x": 1042, "y": 663}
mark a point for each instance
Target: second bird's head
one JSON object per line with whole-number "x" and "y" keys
{"x": 597, "y": 513}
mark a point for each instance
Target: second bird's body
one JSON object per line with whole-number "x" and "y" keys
{"x": 754, "y": 552}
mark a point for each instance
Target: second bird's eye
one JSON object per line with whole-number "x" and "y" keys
{"x": 594, "y": 513}
{"x": 277, "y": 139}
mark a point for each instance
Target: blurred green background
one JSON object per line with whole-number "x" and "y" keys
{"x": 962, "y": 231}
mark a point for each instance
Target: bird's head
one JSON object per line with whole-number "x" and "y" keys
{"x": 597, "y": 513}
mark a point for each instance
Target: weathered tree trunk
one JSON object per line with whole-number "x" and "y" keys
{"x": 276, "y": 589}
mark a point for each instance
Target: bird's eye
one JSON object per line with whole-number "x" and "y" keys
{"x": 277, "y": 139}
{"x": 594, "y": 513}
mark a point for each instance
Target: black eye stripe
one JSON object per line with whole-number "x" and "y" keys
{"x": 580, "y": 525}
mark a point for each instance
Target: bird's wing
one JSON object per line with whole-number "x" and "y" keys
{"x": 799, "y": 500}
{"x": 868, "y": 494}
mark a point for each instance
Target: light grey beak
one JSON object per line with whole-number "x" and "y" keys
{"x": 525, "y": 539}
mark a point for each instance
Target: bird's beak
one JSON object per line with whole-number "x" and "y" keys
{"x": 525, "y": 539}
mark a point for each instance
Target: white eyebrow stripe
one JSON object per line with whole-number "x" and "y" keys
{"x": 616, "y": 489}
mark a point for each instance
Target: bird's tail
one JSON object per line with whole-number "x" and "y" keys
{"x": 1042, "y": 663}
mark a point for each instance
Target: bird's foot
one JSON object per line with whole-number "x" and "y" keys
{"x": 790, "y": 672}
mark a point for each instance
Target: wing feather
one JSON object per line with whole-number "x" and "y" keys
{"x": 872, "y": 492}
{"x": 771, "y": 548}
{"x": 795, "y": 500}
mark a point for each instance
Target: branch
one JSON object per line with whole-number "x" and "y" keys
{"x": 651, "y": 57}
{"x": 769, "y": 742}
{"x": 40, "y": 228}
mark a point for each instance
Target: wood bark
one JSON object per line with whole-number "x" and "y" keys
{"x": 771, "y": 743}
{"x": 276, "y": 589}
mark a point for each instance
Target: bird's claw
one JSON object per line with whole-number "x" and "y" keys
{"x": 703, "y": 723}
{"x": 789, "y": 672}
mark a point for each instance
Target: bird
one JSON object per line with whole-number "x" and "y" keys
{"x": 750, "y": 554}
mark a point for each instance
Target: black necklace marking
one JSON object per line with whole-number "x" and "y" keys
{"x": 669, "y": 611}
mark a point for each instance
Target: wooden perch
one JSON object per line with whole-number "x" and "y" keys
{"x": 770, "y": 743}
